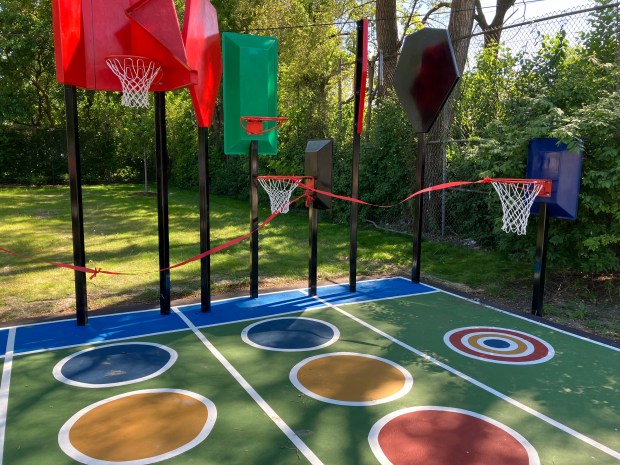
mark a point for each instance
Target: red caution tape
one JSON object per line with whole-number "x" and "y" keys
{"x": 232, "y": 242}
{"x": 437, "y": 187}
{"x": 94, "y": 271}
{"x": 307, "y": 193}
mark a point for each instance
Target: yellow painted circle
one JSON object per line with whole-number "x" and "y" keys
{"x": 140, "y": 426}
{"x": 352, "y": 378}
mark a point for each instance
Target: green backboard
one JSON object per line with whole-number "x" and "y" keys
{"x": 250, "y": 89}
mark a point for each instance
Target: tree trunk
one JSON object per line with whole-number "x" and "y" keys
{"x": 388, "y": 42}
{"x": 459, "y": 28}
{"x": 493, "y": 30}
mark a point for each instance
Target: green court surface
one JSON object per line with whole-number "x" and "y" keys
{"x": 395, "y": 373}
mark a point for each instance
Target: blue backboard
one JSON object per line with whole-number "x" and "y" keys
{"x": 550, "y": 159}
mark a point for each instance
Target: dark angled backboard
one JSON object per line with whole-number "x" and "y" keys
{"x": 425, "y": 76}
{"x": 318, "y": 164}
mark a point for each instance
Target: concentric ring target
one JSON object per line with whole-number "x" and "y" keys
{"x": 499, "y": 345}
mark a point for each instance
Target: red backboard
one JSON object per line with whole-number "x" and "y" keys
{"x": 361, "y": 72}
{"x": 204, "y": 53}
{"x": 88, "y": 31}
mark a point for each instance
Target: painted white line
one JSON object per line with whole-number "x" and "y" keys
{"x": 101, "y": 341}
{"x": 271, "y": 413}
{"x": 392, "y": 297}
{"x": 5, "y": 383}
{"x": 303, "y": 292}
{"x": 489, "y": 389}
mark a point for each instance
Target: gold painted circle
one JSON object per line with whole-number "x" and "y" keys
{"x": 139, "y": 426}
{"x": 352, "y": 378}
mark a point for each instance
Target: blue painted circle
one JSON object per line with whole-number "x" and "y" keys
{"x": 290, "y": 334}
{"x": 497, "y": 343}
{"x": 118, "y": 363}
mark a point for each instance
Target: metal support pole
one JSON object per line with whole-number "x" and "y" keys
{"x": 254, "y": 219}
{"x": 355, "y": 161}
{"x": 444, "y": 193}
{"x": 77, "y": 215}
{"x": 205, "y": 227}
{"x": 313, "y": 223}
{"x": 418, "y": 210}
{"x": 540, "y": 262}
{"x": 162, "y": 202}
{"x": 354, "y": 209}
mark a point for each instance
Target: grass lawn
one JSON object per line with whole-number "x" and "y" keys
{"x": 121, "y": 235}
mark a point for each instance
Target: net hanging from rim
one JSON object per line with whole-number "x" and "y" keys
{"x": 279, "y": 189}
{"x": 517, "y": 197}
{"x": 136, "y": 75}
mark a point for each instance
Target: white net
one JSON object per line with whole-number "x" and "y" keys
{"x": 517, "y": 199}
{"x": 136, "y": 75}
{"x": 279, "y": 191}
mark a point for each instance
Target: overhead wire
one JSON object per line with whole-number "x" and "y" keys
{"x": 377, "y": 20}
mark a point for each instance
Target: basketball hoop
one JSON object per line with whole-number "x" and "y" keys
{"x": 136, "y": 75}
{"x": 254, "y": 124}
{"x": 517, "y": 197}
{"x": 279, "y": 189}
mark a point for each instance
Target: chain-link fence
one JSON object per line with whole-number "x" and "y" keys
{"x": 447, "y": 215}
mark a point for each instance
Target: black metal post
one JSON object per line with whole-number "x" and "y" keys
{"x": 77, "y": 215}
{"x": 355, "y": 160}
{"x": 540, "y": 262}
{"x": 418, "y": 209}
{"x": 313, "y": 223}
{"x": 162, "y": 202}
{"x": 205, "y": 227}
{"x": 254, "y": 219}
{"x": 354, "y": 209}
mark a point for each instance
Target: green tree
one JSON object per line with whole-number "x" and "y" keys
{"x": 602, "y": 38}
{"x": 28, "y": 94}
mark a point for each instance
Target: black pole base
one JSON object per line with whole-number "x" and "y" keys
{"x": 313, "y": 221}
{"x": 540, "y": 262}
{"x": 162, "y": 202}
{"x": 205, "y": 228}
{"x": 254, "y": 219}
{"x": 77, "y": 215}
{"x": 418, "y": 211}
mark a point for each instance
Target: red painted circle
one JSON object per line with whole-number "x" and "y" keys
{"x": 438, "y": 437}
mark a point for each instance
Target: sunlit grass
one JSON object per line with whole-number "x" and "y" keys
{"x": 121, "y": 236}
